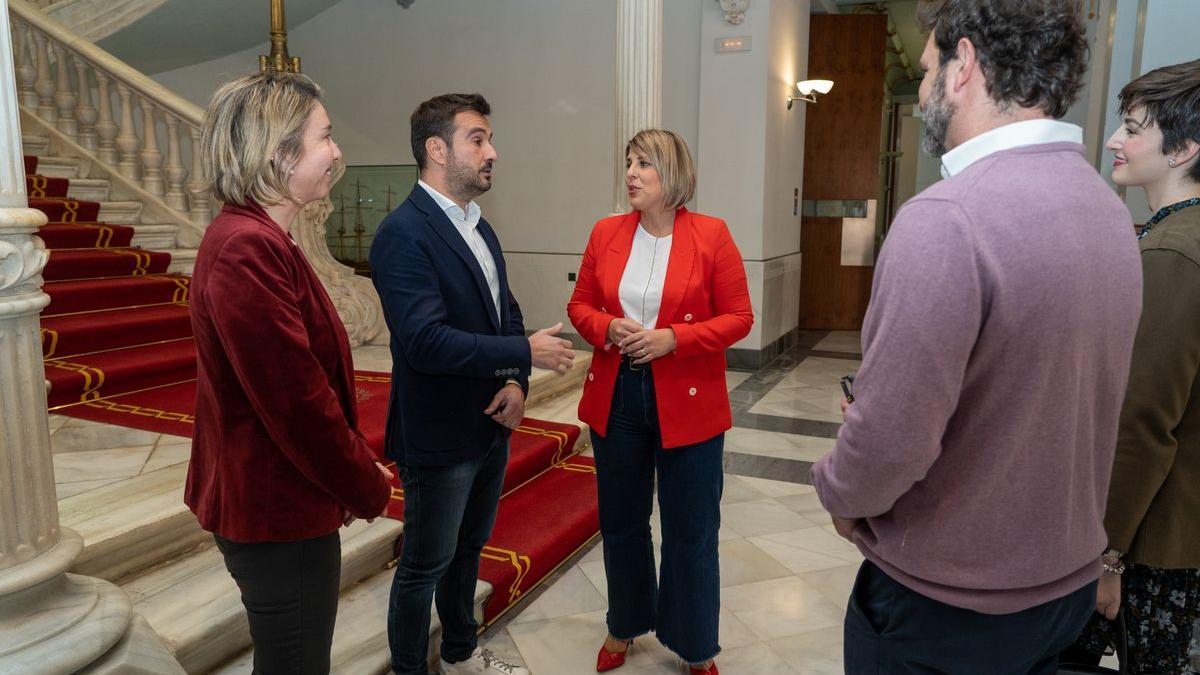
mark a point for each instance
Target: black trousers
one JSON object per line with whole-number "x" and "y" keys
{"x": 892, "y": 629}
{"x": 290, "y": 590}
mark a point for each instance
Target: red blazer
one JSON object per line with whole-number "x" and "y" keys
{"x": 706, "y": 302}
{"x": 276, "y": 455}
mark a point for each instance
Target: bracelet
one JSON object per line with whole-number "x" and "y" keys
{"x": 1115, "y": 570}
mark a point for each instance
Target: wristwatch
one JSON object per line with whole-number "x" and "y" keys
{"x": 1112, "y": 562}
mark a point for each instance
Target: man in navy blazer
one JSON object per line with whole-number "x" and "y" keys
{"x": 460, "y": 373}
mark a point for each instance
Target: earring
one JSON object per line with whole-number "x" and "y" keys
{"x": 1171, "y": 162}
{"x": 292, "y": 172}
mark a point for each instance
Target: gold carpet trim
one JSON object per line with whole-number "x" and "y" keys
{"x": 93, "y": 378}
{"x": 49, "y": 342}
{"x": 141, "y": 411}
{"x": 521, "y": 562}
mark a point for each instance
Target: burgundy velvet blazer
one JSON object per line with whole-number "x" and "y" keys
{"x": 277, "y": 455}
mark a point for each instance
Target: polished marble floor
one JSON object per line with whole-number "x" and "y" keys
{"x": 785, "y": 575}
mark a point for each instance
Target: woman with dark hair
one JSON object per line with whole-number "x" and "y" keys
{"x": 661, "y": 295}
{"x": 278, "y": 464}
{"x": 1152, "y": 567}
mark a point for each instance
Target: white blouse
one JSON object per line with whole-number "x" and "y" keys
{"x": 642, "y": 283}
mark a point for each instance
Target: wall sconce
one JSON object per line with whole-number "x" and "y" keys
{"x": 809, "y": 90}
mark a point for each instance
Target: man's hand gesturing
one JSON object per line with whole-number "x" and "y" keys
{"x": 550, "y": 352}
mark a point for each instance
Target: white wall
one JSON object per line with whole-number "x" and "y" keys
{"x": 752, "y": 150}
{"x": 548, "y": 70}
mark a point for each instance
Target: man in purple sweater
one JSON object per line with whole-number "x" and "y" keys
{"x": 973, "y": 466}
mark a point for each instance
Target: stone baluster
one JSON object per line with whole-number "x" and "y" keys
{"x": 197, "y": 188}
{"x": 50, "y": 621}
{"x": 64, "y": 95}
{"x": 152, "y": 159}
{"x": 106, "y": 128}
{"x": 639, "y": 79}
{"x": 176, "y": 173}
{"x": 26, "y": 66}
{"x": 85, "y": 112}
{"x": 127, "y": 140}
{"x": 44, "y": 84}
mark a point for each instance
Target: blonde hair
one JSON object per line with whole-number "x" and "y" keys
{"x": 668, "y": 153}
{"x": 253, "y": 135}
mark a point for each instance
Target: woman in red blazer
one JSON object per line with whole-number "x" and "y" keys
{"x": 278, "y": 464}
{"x": 661, "y": 295}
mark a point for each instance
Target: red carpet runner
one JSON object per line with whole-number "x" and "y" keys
{"x": 117, "y": 342}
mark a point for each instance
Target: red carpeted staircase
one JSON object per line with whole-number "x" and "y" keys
{"x": 118, "y": 348}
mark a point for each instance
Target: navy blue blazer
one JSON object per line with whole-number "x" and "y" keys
{"x": 451, "y": 353}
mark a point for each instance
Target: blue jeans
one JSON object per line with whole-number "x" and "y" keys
{"x": 683, "y": 604}
{"x": 449, "y": 512}
{"x": 891, "y": 629}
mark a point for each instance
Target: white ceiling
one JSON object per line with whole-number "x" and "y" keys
{"x": 185, "y": 32}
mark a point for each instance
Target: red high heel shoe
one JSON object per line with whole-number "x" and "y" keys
{"x": 607, "y": 660}
{"x": 710, "y": 669}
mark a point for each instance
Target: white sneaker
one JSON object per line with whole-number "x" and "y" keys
{"x": 481, "y": 662}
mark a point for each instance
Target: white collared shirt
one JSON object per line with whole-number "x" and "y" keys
{"x": 645, "y": 274}
{"x": 467, "y": 224}
{"x": 1015, "y": 135}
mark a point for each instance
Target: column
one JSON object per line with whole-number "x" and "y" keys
{"x": 639, "y": 79}
{"x": 50, "y": 621}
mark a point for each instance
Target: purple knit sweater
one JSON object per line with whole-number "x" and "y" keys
{"x": 995, "y": 355}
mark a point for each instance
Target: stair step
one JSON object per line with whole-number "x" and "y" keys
{"x": 360, "y": 645}
{"x": 93, "y": 189}
{"x": 183, "y": 260}
{"x": 156, "y": 236}
{"x": 58, "y": 167}
{"x": 85, "y": 235}
{"x": 120, "y": 212}
{"x": 196, "y": 608}
{"x": 82, "y": 379}
{"x": 65, "y": 336}
{"x": 67, "y": 210}
{"x": 85, "y": 263}
{"x": 86, "y": 295}
{"x": 133, "y": 524}
{"x": 35, "y": 145}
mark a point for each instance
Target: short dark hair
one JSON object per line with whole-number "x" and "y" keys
{"x": 1170, "y": 100}
{"x": 1033, "y": 53}
{"x": 435, "y": 117}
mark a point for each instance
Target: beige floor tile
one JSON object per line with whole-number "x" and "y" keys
{"x": 776, "y": 488}
{"x": 84, "y": 436}
{"x": 572, "y": 593}
{"x": 781, "y": 607}
{"x": 742, "y": 563}
{"x": 754, "y": 659}
{"x": 794, "y": 555}
{"x": 64, "y": 490}
{"x": 738, "y": 490}
{"x": 775, "y": 444}
{"x": 841, "y": 341}
{"x": 765, "y": 516}
{"x": 90, "y": 465}
{"x": 815, "y": 653}
{"x": 562, "y": 646}
{"x": 834, "y": 583}
{"x": 168, "y": 455}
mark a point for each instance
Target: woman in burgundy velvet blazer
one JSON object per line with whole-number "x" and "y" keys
{"x": 278, "y": 464}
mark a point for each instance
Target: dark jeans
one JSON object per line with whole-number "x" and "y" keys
{"x": 683, "y": 606}
{"x": 892, "y": 629}
{"x": 290, "y": 590}
{"x": 448, "y": 516}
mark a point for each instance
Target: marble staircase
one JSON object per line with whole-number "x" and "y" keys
{"x": 95, "y": 186}
{"x": 138, "y": 533}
